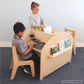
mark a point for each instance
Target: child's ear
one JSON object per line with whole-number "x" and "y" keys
{"x": 32, "y": 8}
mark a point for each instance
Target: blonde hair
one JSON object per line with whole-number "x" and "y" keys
{"x": 34, "y": 4}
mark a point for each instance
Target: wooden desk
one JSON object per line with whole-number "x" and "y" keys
{"x": 48, "y": 64}
{"x": 37, "y": 50}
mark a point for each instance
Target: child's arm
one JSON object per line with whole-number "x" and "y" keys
{"x": 31, "y": 43}
{"x": 26, "y": 52}
{"x": 42, "y": 22}
{"x": 33, "y": 25}
{"x": 23, "y": 48}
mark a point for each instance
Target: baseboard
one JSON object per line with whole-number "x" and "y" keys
{"x": 8, "y": 44}
{"x": 79, "y": 44}
{"x": 5, "y": 44}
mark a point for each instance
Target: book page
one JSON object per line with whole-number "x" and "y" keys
{"x": 48, "y": 29}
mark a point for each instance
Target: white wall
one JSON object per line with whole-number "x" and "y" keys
{"x": 57, "y": 13}
{"x": 12, "y": 11}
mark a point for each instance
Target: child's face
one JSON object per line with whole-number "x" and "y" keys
{"x": 36, "y": 9}
{"x": 20, "y": 34}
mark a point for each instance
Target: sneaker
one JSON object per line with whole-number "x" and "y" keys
{"x": 26, "y": 70}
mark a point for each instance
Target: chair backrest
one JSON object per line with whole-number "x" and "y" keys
{"x": 15, "y": 55}
{"x": 73, "y": 33}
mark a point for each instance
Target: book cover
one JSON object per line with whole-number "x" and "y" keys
{"x": 54, "y": 49}
{"x": 39, "y": 29}
{"x": 68, "y": 43}
{"x": 61, "y": 45}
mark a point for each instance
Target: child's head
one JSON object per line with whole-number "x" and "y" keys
{"x": 35, "y": 7}
{"x": 19, "y": 29}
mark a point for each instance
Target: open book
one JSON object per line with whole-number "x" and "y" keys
{"x": 48, "y": 29}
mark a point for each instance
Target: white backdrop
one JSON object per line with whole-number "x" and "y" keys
{"x": 57, "y": 13}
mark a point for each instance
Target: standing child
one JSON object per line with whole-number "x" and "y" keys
{"x": 35, "y": 19}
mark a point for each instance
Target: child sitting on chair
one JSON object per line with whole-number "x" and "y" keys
{"x": 24, "y": 51}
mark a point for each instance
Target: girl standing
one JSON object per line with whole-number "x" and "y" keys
{"x": 36, "y": 20}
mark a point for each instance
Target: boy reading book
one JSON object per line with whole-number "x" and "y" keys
{"x": 24, "y": 50}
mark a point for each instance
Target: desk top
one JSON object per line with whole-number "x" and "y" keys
{"x": 37, "y": 50}
{"x": 37, "y": 45}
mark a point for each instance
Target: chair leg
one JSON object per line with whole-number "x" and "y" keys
{"x": 13, "y": 72}
{"x": 11, "y": 66}
{"x": 32, "y": 70}
{"x": 74, "y": 48}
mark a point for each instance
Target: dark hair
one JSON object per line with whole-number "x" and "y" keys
{"x": 34, "y": 4}
{"x": 18, "y": 27}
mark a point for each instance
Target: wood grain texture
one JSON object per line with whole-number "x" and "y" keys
{"x": 48, "y": 65}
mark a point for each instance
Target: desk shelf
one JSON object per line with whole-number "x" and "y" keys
{"x": 60, "y": 52}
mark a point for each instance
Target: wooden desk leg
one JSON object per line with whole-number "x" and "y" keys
{"x": 41, "y": 74}
{"x": 41, "y": 78}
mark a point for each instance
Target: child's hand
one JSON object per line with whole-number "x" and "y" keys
{"x": 43, "y": 26}
{"x": 30, "y": 44}
{"x": 26, "y": 52}
{"x": 25, "y": 40}
{"x": 31, "y": 47}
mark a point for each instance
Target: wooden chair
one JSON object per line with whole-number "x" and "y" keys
{"x": 16, "y": 62}
{"x": 73, "y": 33}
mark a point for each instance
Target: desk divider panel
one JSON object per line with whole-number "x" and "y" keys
{"x": 48, "y": 65}
{"x": 42, "y": 36}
